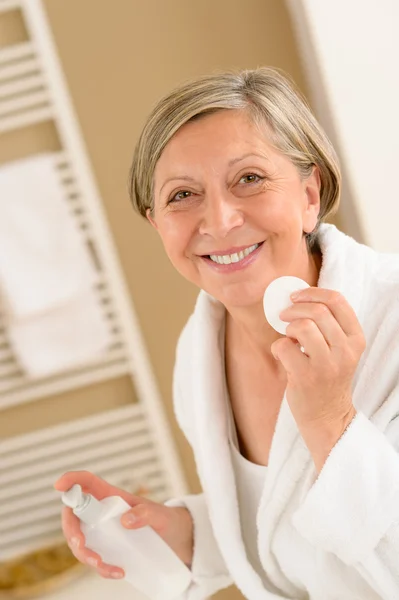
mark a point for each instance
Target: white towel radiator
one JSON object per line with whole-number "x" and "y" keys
{"x": 124, "y": 445}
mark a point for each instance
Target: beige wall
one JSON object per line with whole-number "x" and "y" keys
{"x": 119, "y": 58}
{"x": 118, "y": 62}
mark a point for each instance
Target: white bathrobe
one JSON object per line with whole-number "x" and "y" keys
{"x": 332, "y": 537}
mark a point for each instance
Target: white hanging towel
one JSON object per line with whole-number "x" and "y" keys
{"x": 43, "y": 258}
{"x": 54, "y": 320}
{"x": 65, "y": 338}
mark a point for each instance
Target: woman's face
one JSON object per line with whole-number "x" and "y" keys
{"x": 223, "y": 194}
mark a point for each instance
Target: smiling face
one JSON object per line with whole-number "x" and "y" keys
{"x": 224, "y": 194}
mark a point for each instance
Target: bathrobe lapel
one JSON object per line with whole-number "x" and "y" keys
{"x": 212, "y": 447}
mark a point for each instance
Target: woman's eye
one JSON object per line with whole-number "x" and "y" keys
{"x": 250, "y": 178}
{"x": 182, "y": 195}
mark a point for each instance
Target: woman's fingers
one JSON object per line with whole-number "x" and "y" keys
{"x": 152, "y": 514}
{"x": 84, "y": 555}
{"x": 94, "y": 485}
{"x": 71, "y": 527}
{"x": 110, "y": 572}
{"x": 100, "y": 489}
{"x": 92, "y": 559}
{"x": 76, "y": 542}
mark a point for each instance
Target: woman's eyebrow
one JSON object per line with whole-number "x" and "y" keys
{"x": 233, "y": 161}
{"x": 176, "y": 178}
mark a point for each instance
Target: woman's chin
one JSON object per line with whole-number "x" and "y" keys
{"x": 238, "y": 298}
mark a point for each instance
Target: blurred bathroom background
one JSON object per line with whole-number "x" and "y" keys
{"x": 77, "y": 79}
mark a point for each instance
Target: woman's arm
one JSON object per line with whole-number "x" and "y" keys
{"x": 352, "y": 510}
{"x": 208, "y": 569}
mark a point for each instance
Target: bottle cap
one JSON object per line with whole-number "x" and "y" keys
{"x": 85, "y": 506}
{"x": 277, "y": 298}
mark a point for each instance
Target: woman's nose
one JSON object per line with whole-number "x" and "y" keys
{"x": 220, "y": 215}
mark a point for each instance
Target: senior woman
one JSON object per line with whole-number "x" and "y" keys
{"x": 296, "y": 453}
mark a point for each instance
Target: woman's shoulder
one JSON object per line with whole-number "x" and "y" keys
{"x": 387, "y": 267}
{"x": 369, "y": 276}
{"x": 380, "y": 322}
{"x": 384, "y": 282}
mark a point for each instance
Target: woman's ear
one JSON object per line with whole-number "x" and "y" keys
{"x": 312, "y": 185}
{"x": 150, "y": 218}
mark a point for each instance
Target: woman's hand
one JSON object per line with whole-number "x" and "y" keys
{"x": 319, "y": 389}
{"x": 173, "y": 524}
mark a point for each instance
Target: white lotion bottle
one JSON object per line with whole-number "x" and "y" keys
{"x": 150, "y": 565}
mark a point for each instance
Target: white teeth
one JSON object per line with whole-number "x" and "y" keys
{"x": 226, "y": 259}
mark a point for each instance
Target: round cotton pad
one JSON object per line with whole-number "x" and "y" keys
{"x": 277, "y": 298}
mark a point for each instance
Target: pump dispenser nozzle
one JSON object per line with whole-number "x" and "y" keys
{"x": 85, "y": 506}
{"x": 74, "y": 498}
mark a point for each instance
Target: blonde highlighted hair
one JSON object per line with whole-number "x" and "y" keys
{"x": 270, "y": 99}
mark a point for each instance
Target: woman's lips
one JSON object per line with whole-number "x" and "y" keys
{"x": 237, "y": 266}
{"x": 234, "y": 250}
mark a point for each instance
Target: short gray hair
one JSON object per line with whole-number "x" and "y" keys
{"x": 270, "y": 98}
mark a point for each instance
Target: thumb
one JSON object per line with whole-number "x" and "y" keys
{"x": 153, "y": 514}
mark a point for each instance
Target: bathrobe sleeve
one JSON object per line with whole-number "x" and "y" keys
{"x": 209, "y": 573}
{"x": 352, "y": 509}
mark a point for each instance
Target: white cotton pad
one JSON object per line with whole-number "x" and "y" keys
{"x": 277, "y": 298}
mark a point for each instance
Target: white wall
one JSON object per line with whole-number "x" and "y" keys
{"x": 350, "y": 50}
